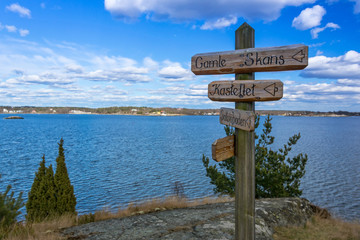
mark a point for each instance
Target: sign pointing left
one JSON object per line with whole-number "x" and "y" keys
{"x": 292, "y": 57}
{"x": 244, "y": 120}
{"x": 248, "y": 90}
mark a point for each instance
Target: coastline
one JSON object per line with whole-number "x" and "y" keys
{"x": 260, "y": 113}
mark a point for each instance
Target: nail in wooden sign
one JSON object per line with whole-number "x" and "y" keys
{"x": 223, "y": 148}
{"x": 292, "y": 57}
{"x": 245, "y": 91}
{"x": 244, "y": 120}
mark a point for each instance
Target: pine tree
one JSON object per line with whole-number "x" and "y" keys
{"x": 34, "y": 196}
{"x": 9, "y": 209}
{"x": 41, "y": 203}
{"x": 65, "y": 198}
{"x": 47, "y": 193}
{"x": 276, "y": 175}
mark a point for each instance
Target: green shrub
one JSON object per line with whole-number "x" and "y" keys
{"x": 9, "y": 209}
{"x": 276, "y": 174}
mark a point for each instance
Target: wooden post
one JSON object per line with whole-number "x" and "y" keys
{"x": 245, "y": 153}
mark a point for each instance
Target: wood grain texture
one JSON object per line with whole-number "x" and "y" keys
{"x": 247, "y": 90}
{"x": 244, "y": 120}
{"x": 292, "y": 57}
{"x": 223, "y": 148}
{"x": 244, "y": 153}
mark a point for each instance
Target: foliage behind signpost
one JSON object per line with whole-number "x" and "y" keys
{"x": 276, "y": 174}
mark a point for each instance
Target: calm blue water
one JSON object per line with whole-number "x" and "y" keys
{"x": 115, "y": 160}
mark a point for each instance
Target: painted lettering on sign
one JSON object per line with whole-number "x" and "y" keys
{"x": 283, "y": 58}
{"x": 249, "y": 90}
{"x": 250, "y": 59}
{"x": 240, "y": 119}
{"x": 200, "y": 63}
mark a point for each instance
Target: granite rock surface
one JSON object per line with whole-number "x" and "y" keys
{"x": 212, "y": 221}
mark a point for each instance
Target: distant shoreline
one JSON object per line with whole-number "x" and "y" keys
{"x": 165, "y": 111}
{"x": 177, "y": 115}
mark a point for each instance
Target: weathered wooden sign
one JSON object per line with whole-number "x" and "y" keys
{"x": 223, "y": 148}
{"x": 244, "y": 120}
{"x": 249, "y": 90}
{"x": 292, "y": 57}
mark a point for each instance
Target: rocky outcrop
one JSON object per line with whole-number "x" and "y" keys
{"x": 212, "y": 221}
{"x": 14, "y": 117}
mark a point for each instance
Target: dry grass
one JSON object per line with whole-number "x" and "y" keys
{"x": 317, "y": 228}
{"x": 320, "y": 229}
{"x": 155, "y": 205}
{"x": 48, "y": 230}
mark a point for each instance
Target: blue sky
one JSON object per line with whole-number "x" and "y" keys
{"x": 137, "y": 53}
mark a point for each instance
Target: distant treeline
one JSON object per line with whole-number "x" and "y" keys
{"x": 155, "y": 111}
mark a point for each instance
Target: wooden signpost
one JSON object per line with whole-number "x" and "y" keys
{"x": 244, "y": 91}
{"x": 292, "y": 57}
{"x": 250, "y": 90}
{"x": 223, "y": 148}
{"x": 244, "y": 120}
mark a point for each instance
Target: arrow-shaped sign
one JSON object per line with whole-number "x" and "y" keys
{"x": 299, "y": 56}
{"x": 272, "y": 89}
{"x": 244, "y": 120}
{"x": 245, "y": 91}
{"x": 292, "y": 57}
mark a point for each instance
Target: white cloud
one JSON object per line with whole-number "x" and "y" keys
{"x": 315, "y": 32}
{"x": 118, "y": 75}
{"x": 150, "y": 63}
{"x": 357, "y": 6}
{"x": 323, "y": 92}
{"x": 345, "y": 66}
{"x": 11, "y": 28}
{"x": 22, "y": 11}
{"x": 24, "y": 32}
{"x": 309, "y": 18}
{"x": 350, "y": 82}
{"x": 74, "y": 69}
{"x": 219, "y": 23}
{"x": 199, "y": 9}
{"x": 174, "y": 72}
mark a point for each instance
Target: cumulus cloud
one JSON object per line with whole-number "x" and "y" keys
{"x": 315, "y": 32}
{"x": 117, "y": 75}
{"x": 22, "y": 11}
{"x": 219, "y": 23}
{"x": 74, "y": 69}
{"x": 11, "y": 28}
{"x": 200, "y": 9}
{"x": 329, "y": 93}
{"x": 24, "y": 32}
{"x": 174, "y": 72}
{"x": 357, "y": 6}
{"x": 45, "y": 74}
{"x": 345, "y": 66}
{"x": 150, "y": 63}
{"x": 309, "y": 18}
